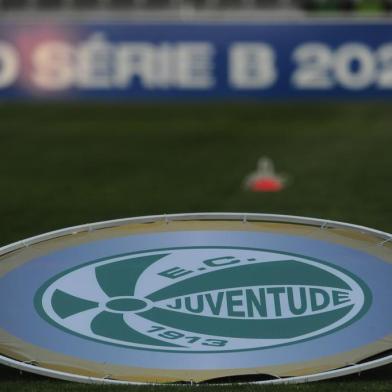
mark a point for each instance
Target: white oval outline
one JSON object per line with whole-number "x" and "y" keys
{"x": 147, "y": 307}
{"x": 65, "y": 324}
{"x": 317, "y": 222}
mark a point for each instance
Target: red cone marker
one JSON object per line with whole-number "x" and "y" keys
{"x": 264, "y": 179}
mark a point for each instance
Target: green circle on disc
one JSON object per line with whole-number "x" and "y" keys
{"x": 126, "y": 304}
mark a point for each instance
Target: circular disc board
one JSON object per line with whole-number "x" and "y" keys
{"x": 197, "y": 297}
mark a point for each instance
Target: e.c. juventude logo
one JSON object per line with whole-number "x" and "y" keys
{"x": 203, "y": 299}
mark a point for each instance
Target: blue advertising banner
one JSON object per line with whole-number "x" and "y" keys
{"x": 195, "y": 60}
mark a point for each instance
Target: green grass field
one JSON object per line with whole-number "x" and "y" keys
{"x": 65, "y": 165}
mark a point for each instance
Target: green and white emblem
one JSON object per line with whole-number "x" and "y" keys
{"x": 203, "y": 299}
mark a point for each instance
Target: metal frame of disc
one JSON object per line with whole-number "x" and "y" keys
{"x": 244, "y": 217}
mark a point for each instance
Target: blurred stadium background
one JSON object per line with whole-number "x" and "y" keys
{"x": 86, "y": 158}
{"x": 285, "y": 6}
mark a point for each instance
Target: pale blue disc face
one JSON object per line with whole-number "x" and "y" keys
{"x": 196, "y": 300}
